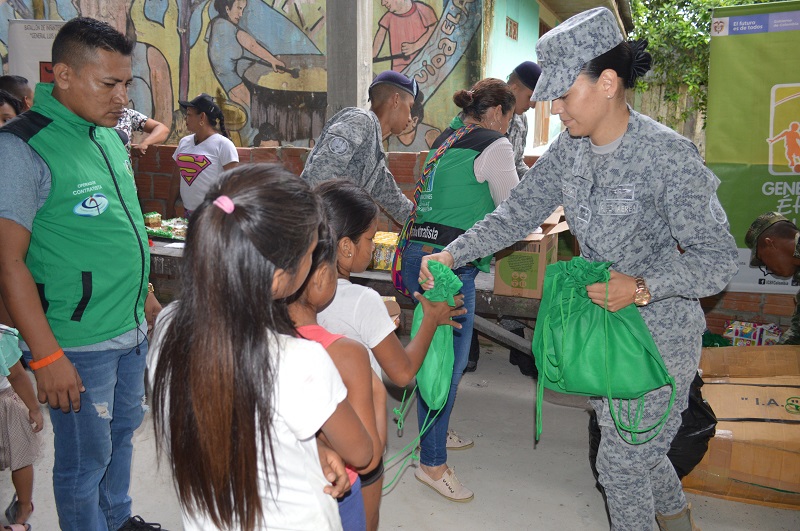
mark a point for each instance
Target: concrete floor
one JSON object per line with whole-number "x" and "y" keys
{"x": 516, "y": 486}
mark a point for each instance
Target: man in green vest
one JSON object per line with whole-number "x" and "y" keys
{"x": 74, "y": 264}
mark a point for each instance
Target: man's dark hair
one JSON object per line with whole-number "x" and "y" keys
{"x": 782, "y": 230}
{"x": 17, "y": 86}
{"x": 80, "y": 38}
{"x": 10, "y": 99}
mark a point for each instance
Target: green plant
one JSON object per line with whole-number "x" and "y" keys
{"x": 679, "y": 35}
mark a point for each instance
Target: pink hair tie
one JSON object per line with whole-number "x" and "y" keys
{"x": 224, "y": 202}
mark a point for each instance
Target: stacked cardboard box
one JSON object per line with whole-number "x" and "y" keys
{"x": 755, "y": 455}
{"x": 519, "y": 269}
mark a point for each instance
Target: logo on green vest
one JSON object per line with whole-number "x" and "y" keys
{"x": 94, "y": 205}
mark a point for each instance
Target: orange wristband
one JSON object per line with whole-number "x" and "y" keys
{"x": 44, "y": 362}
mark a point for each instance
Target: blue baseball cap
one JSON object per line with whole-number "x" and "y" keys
{"x": 390, "y": 77}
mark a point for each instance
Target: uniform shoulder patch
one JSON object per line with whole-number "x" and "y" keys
{"x": 338, "y": 145}
{"x": 717, "y": 212}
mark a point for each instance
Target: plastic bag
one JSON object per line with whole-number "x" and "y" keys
{"x": 436, "y": 373}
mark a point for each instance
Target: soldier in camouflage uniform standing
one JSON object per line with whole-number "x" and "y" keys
{"x": 633, "y": 191}
{"x": 522, "y": 81}
{"x": 350, "y": 145}
{"x": 775, "y": 243}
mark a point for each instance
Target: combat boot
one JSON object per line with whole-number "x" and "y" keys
{"x": 677, "y": 522}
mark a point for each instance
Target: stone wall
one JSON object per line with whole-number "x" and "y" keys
{"x": 155, "y": 171}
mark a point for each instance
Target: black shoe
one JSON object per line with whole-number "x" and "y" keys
{"x": 135, "y": 523}
{"x": 525, "y": 363}
{"x": 474, "y": 353}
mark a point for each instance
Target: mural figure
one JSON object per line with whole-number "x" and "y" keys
{"x": 409, "y": 25}
{"x": 791, "y": 138}
{"x": 150, "y": 92}
{"x": 231, "y": 51}
{"x": 417, "y": 136}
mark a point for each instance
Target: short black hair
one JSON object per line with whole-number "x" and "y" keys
{"x": 17, "y": 86}
{"x": 80, "y": 38}
{"x": 782, "y": 230}
{"x": 7, "y": 97}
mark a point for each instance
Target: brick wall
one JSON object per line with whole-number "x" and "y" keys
{"x": 155, "y": 171}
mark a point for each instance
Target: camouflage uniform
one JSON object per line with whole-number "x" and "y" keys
{"x": 517, "y": 134}
{"x": 632, "y": 207}
{"x": 351, "y": 147}
{"x": 792, "y": 336}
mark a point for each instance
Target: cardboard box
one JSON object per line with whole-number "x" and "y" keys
{"x": 755, "y": 455}
{"x": 519, "y": 269}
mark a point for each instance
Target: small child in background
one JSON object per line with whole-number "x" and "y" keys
{"x": 359, "y": 313}
{"x": 238, "y": 399}
{"x": 20, "y": 420}
{"x": 365, "y": 391}
{"x": 10, "y": 107}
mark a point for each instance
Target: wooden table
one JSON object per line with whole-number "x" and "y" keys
{"x": 165, "y": 275}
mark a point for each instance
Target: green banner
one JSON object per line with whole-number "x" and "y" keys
{"x": 753, "y": 122}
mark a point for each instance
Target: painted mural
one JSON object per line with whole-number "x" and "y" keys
{"x": 264, "y": 59}
{"x": 434, "y": 42}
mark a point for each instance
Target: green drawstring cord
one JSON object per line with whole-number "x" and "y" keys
{"x": 410, "y": 448}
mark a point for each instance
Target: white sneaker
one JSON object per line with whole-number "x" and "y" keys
{"x": 448, "y": 485}
{"x": 457, "y": 442}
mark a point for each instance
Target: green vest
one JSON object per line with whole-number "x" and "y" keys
{"x": 88, "y": 251}
{"x": 453, "y": 200}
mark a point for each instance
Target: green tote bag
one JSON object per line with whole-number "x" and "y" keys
{"x": 581, "y": 348}
{"x": 436, "y": 372}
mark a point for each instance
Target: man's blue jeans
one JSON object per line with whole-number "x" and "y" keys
{"x": 434, "y": 441}
{"x": 93, "y": 447}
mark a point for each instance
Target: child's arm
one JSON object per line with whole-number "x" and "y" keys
{"x": 402, "y": 363}
{"x": 352, "y": 361}
{"x": 379, "y": 403}
{"x": 24, "y": 388}
{"x": 348, "y": 436}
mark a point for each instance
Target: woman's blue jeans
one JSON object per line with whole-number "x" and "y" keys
{"x": 434, "y": 441}
{"x": 93, "y": 447}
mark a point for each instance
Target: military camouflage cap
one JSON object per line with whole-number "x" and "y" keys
{"x": 762, "y": 223}
{"x": 564, "y": 50}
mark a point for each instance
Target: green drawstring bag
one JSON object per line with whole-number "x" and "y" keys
{"x": 581, "y": 348}
{"x": 436, "y": 373}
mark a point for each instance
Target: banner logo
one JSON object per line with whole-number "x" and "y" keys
{"x": 784, "y": 129}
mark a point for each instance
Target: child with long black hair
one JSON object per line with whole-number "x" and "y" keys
{"x": 365, "y": 391}
{"x": 359, "y": 313}
{"x": 238, "y": 399}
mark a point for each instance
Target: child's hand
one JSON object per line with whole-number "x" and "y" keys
{"x": 36, "y": 419}
{"x": 441, "y": 312}
{"x": 333, "y": 469}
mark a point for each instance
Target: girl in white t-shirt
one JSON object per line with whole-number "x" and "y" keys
{"x": 365, "y": 391}
{"x": 202, "y": 156}
{"x": 358, "y": 312}
{"x": 238, "y": 400}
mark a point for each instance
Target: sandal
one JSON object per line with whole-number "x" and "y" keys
{"x": 11, "y": 514}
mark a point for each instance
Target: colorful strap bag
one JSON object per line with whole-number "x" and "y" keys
{"x": 422, "y": 183}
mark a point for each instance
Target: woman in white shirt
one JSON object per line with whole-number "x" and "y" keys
{"x": 471, "y": 172}
{"x": 202, "y": 156}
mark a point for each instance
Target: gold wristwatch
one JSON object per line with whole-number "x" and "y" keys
{"x": 642, "y": 295}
